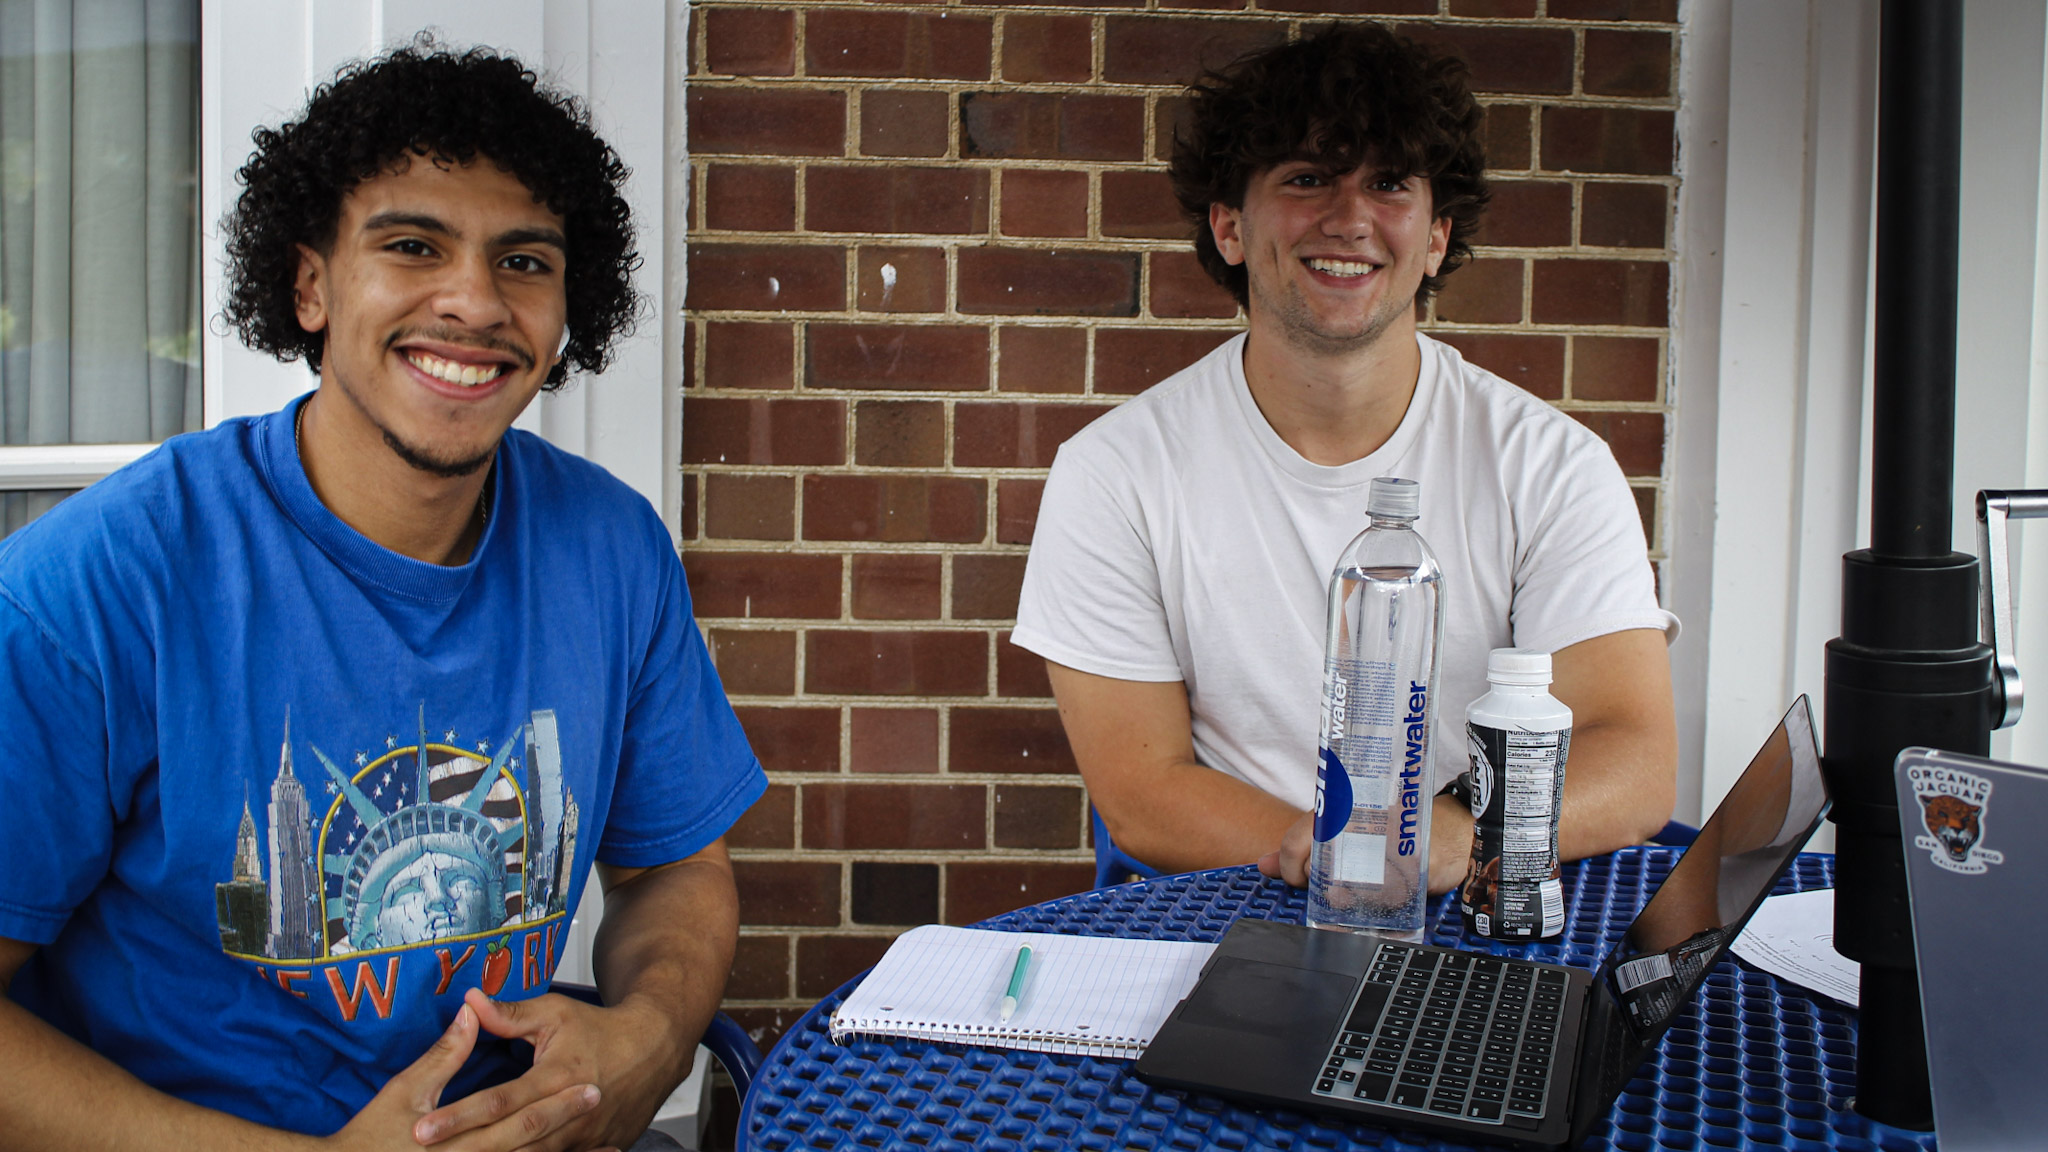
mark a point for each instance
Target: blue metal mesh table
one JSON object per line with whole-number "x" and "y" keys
{"x": 1754, "y": 1063}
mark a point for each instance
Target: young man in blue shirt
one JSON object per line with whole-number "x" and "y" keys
{"x": 312, "y": 724}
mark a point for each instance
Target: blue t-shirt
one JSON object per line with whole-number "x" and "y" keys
{"x": 275, "y": 796}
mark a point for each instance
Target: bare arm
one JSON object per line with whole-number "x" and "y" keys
{"x": 1134, "y": 743}
{"x": 60, "y": 1094}
{"x": 662, "y": 955}
{"x": 668, "y": 938}
{"x": 1620, "y": 780}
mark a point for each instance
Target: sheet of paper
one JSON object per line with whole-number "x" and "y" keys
{"x": 1793, "y": 938}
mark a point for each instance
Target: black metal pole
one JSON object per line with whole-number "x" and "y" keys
{"x": 1919, "y": 185}
{"x": 1908, "y": 668}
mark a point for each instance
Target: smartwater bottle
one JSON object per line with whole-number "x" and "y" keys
{"x": 1369, "y": 864}
{"x": 1518, "y": 736}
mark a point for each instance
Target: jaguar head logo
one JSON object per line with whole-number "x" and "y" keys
{"x": 1953, "y": 822}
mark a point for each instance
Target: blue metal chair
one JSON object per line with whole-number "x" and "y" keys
{"x": 728, "y": 1042}
{"x": 1676, "y": 835}
{"x": 1113, "y": 866}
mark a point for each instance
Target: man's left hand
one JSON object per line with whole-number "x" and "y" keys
{"x": 630, "y": 1051}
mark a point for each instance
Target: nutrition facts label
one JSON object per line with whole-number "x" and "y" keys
{"x": 1528, "y": 805}
{"x": 1512, "y": 890}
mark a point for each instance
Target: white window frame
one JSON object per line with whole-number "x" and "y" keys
{"x": 62, "y": 467}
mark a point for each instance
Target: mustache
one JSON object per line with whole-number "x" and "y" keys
{"x": 483, "y": 342}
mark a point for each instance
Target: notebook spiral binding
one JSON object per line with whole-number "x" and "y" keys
{"x": 1031, "y": 1039}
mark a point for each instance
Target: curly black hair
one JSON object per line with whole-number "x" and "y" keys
{"x": 421, "y": 100}
{"x": 1349, "y": 94}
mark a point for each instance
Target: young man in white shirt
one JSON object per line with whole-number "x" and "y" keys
{"x": 1184, "y": 544}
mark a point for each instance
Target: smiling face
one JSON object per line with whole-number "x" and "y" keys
{"x": 442, "y": 303}
{"x": 1334, "y": 257}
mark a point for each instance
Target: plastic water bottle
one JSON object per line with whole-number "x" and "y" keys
{"x": 1518, "y": 736}
{"x": 1369, "y": 864}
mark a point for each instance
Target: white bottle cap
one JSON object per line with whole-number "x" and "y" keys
{"x": 1393, "y": 498}
{"x": 1518, "y": 666}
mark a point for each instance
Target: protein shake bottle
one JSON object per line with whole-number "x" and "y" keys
{"x": 1518, "y": 736}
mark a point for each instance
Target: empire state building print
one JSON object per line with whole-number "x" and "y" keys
{"x": 294, "y": 875}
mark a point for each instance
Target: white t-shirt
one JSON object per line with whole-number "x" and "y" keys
{"x": 1180, "y": 538}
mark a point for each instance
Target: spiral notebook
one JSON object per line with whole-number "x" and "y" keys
{"x": 1085, "y": 995}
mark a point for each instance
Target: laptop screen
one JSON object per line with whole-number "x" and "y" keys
{"x": 1714, "y": 888}
{"x": 1974, "y": 865}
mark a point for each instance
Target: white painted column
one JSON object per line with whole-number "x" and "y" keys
{"x": 1770, "y": 429}
{"x": 1699, "y": 233}
{"x": 2002, "y": 321}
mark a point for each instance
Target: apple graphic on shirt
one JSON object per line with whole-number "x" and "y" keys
{"x": 497, "y": 965}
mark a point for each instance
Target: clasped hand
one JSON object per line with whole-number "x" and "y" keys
{"x": 598, "y": 1075}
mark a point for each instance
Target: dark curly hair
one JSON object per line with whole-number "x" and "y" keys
{"x": 1348, "y": 94}
{"x": 421, "y": 100}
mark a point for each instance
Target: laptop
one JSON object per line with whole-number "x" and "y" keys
{"x": 1476, "y": 1046}
{"x": 1977, "y": 870}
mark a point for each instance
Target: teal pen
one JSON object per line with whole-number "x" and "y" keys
{"x": 1016, "y": 980}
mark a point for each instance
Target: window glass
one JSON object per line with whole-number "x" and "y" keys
{"x": 99, "y": 277}
{"x": 18, "y": 508}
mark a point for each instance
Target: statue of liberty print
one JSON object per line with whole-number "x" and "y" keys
{"x": 428, "y": 842}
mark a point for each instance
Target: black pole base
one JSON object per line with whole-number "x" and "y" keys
{"x": 1893, "y": 1091}
{"x": 1907, "y": 671}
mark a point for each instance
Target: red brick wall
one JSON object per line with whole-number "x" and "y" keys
{"x": 930, "y": 241}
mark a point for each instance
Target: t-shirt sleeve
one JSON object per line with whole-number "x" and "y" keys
{"x": 686, "y": 771}
{"x": 1585, "y": 568}
{"x": 1091, "y": 598}
{"x": 58, "y": 821}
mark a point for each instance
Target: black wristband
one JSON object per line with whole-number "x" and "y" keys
{"x": 1461, "y": 788}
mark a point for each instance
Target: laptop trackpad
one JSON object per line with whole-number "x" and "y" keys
{"x": 1261, "y": 999}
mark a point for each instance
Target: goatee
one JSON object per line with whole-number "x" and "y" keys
{"x": 447, "y": 469}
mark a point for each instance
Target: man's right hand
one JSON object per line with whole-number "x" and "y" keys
{"x": 1289, "y": 862}
{"x": 390, "y": 1121}
{"x": 1450, "y": 841}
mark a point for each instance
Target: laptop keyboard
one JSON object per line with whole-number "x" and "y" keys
{"x": 1450, "y": 1033}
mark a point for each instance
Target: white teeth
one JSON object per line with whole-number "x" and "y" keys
{"x": 1341, "y": 267}
{"x": 467, "y": 375}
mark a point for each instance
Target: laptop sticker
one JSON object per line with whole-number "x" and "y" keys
{"x": 1952, "y": 804}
